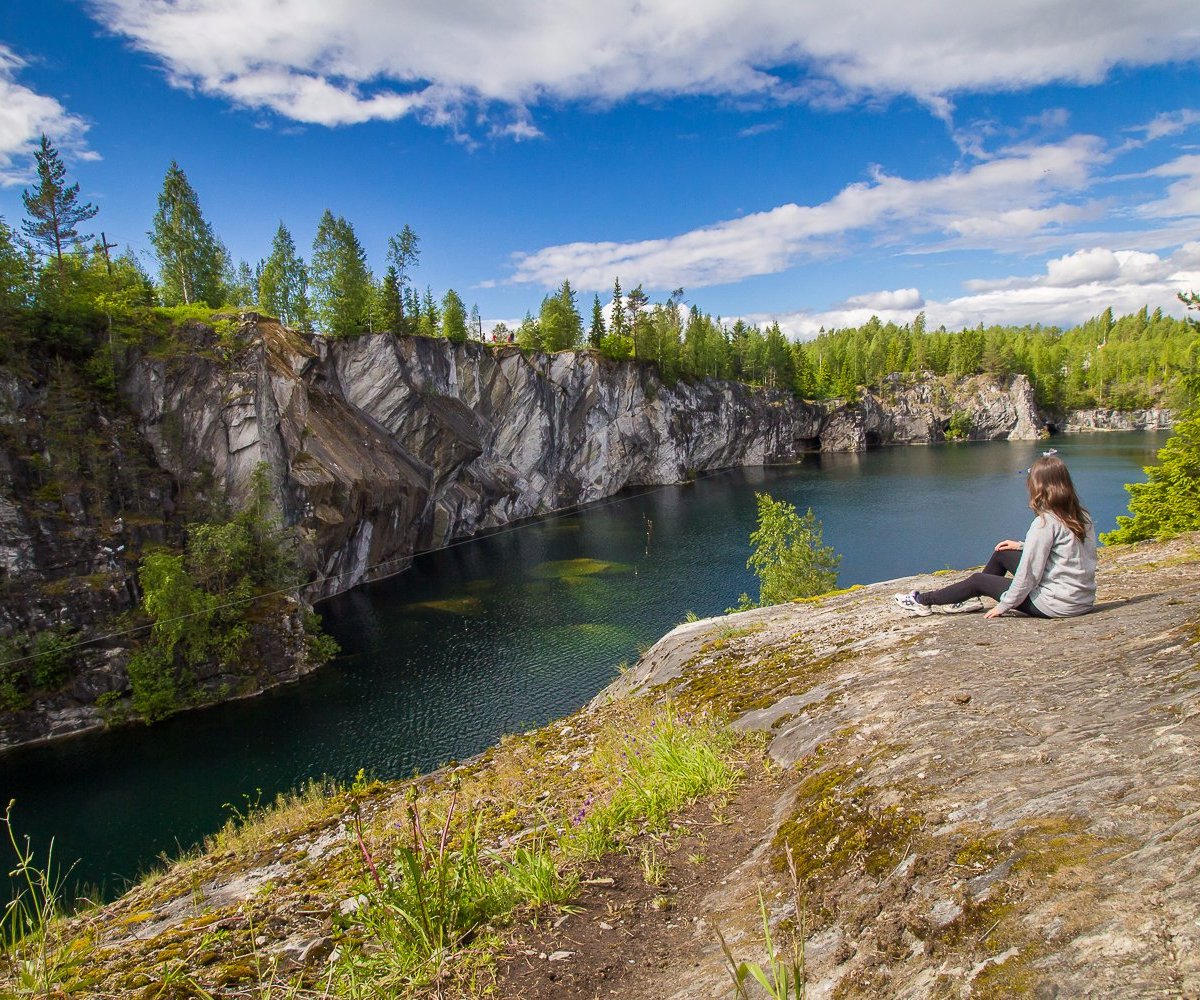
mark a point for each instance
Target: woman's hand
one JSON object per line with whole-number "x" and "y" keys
{"x": 995, "y": 612}
{"x": 1009, "y": 544}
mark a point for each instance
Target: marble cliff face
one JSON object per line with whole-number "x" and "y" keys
{"x": 380, "y": 447}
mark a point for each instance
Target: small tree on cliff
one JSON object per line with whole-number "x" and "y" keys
{"x": 1168, "y": 503}
{"x": 54, "y": 209}
{"x": 454, "y": 317}
{"x": 283, "y": 284}
{"x": 789, "y": 558}
{"x": 191, "y": 259}
{"x": 340, "y": 282}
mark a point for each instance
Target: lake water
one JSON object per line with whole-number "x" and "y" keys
{"x": 507, "y": 632}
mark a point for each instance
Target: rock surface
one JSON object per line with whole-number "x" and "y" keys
{"x": 977, "y": 808}
{"x": 1153, "y": 419}
{"x": 1041, "y": 775}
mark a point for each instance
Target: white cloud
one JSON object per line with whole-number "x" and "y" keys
{"x": 334, "y": 63}
{"x": 24, "y": 116}
{"x": 899, "y": 299}
{"x": 1070, "y": 290}
{"x": 1169, "y": 123}
{"x": 1021, "y": 189}
{"x": 1183, "y": 196}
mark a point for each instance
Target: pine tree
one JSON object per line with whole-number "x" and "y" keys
{"x": 617, "y": 325}
{"x": 16, "y": 277}
{"x": 54, "y": 209}
{"x": 596, "y": 333}
{"x": 403, "y": 254}
{"x": 283, "y": 282}
{"x": 429, "y": 319}
{"x": 393, "y": 302}
{"x": 1168, "y": 503}
{"x": 454, "y": 317}
{"x": 340, "y": 282}
{"x": 191, "y": 258}
{"x": 560, "y": 322}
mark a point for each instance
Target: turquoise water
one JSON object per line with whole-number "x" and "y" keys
{"x": 504, "y": 633}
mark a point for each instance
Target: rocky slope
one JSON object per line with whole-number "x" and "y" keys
{"x": 977, "y": 809}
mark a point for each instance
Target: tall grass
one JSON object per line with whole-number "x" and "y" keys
{"x": 25, "y": 943}
{"x": 439, "y": 892}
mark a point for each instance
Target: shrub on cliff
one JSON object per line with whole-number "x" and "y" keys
{"x": 790, "y": 558}
{"x": 1168, "y": 503}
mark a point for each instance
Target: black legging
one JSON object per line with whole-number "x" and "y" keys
{"x": 991, "y": 582}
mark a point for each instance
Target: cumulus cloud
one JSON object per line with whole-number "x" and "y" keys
{"x": 1071, "y": 289}
{"x": 899, "y": 299}
{"x": 335, "y": 63}
{"x": 1020, "y": 191}
{"x": 24, "y": 116}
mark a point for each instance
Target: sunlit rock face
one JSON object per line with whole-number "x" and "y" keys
{"x": 380, "y": 447}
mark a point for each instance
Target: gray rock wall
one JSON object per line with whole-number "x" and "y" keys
{"x": 381, "y": 447}
{"x": 1153, "y": 419}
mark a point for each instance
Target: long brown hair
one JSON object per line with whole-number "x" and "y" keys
{"x": 1052, "y": 492}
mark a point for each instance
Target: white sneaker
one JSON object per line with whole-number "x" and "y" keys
{"x": 909, "y": 604}
{"x": 964, "y": 607}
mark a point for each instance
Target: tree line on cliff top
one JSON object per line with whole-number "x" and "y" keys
{"x": 57, "y": 284}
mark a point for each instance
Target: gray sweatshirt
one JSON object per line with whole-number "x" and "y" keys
{"x": 1057, "y": 571}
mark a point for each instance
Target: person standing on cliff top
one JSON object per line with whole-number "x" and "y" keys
{"x": 1053, "y": 570}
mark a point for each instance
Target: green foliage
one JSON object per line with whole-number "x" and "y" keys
{"x": 784, "y": 977}
{"x": 429, "y": 317}
{"x": 789, "y": 557}
{"x": 283, "y": 282}
{"x": 959, "y": 426}
{"x": 403, "y": 255}
{"x": 52, "y": 660}
{"x": 16, "y": 273}
{"x": 192, "y": 261}
{"x": 42, "y": 661}
{"x": 54, "y": 210}
{"x": 597, "y": 330}
{"x": 662, "y": 769}
{"x": 437, "y": 891}
{"x": 26, "y": 944}
{"x": 454, "y": 317}
{"x": 200, "y": 600}
{"x": 340, "y": 281}
{"x": 559, "y": 323}
{"x": 1168, "y": 503}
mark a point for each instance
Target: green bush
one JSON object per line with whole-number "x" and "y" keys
{"x": 960, "y": 426}
{"x": 789, "y": 556}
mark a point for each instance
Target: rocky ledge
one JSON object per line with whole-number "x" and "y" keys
{"x": 976, "y": 808}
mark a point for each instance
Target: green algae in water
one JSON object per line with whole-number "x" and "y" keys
{"x": 571, "y": 571}
{"x": 469, "y": 606}
{"x": 482, "y": 586}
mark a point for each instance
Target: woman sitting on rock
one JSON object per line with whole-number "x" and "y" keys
{"x": 1053, "y": 570}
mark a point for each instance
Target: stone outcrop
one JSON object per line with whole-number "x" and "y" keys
{"x": 381, "y": 447}
{"x": 1152, "y": 419}
{"x": 919, "y": 409}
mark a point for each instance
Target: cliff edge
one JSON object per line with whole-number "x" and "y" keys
{"x": 976, "y": 808}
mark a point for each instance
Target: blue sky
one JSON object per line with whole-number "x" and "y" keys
{"x": 808, "y": 163}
